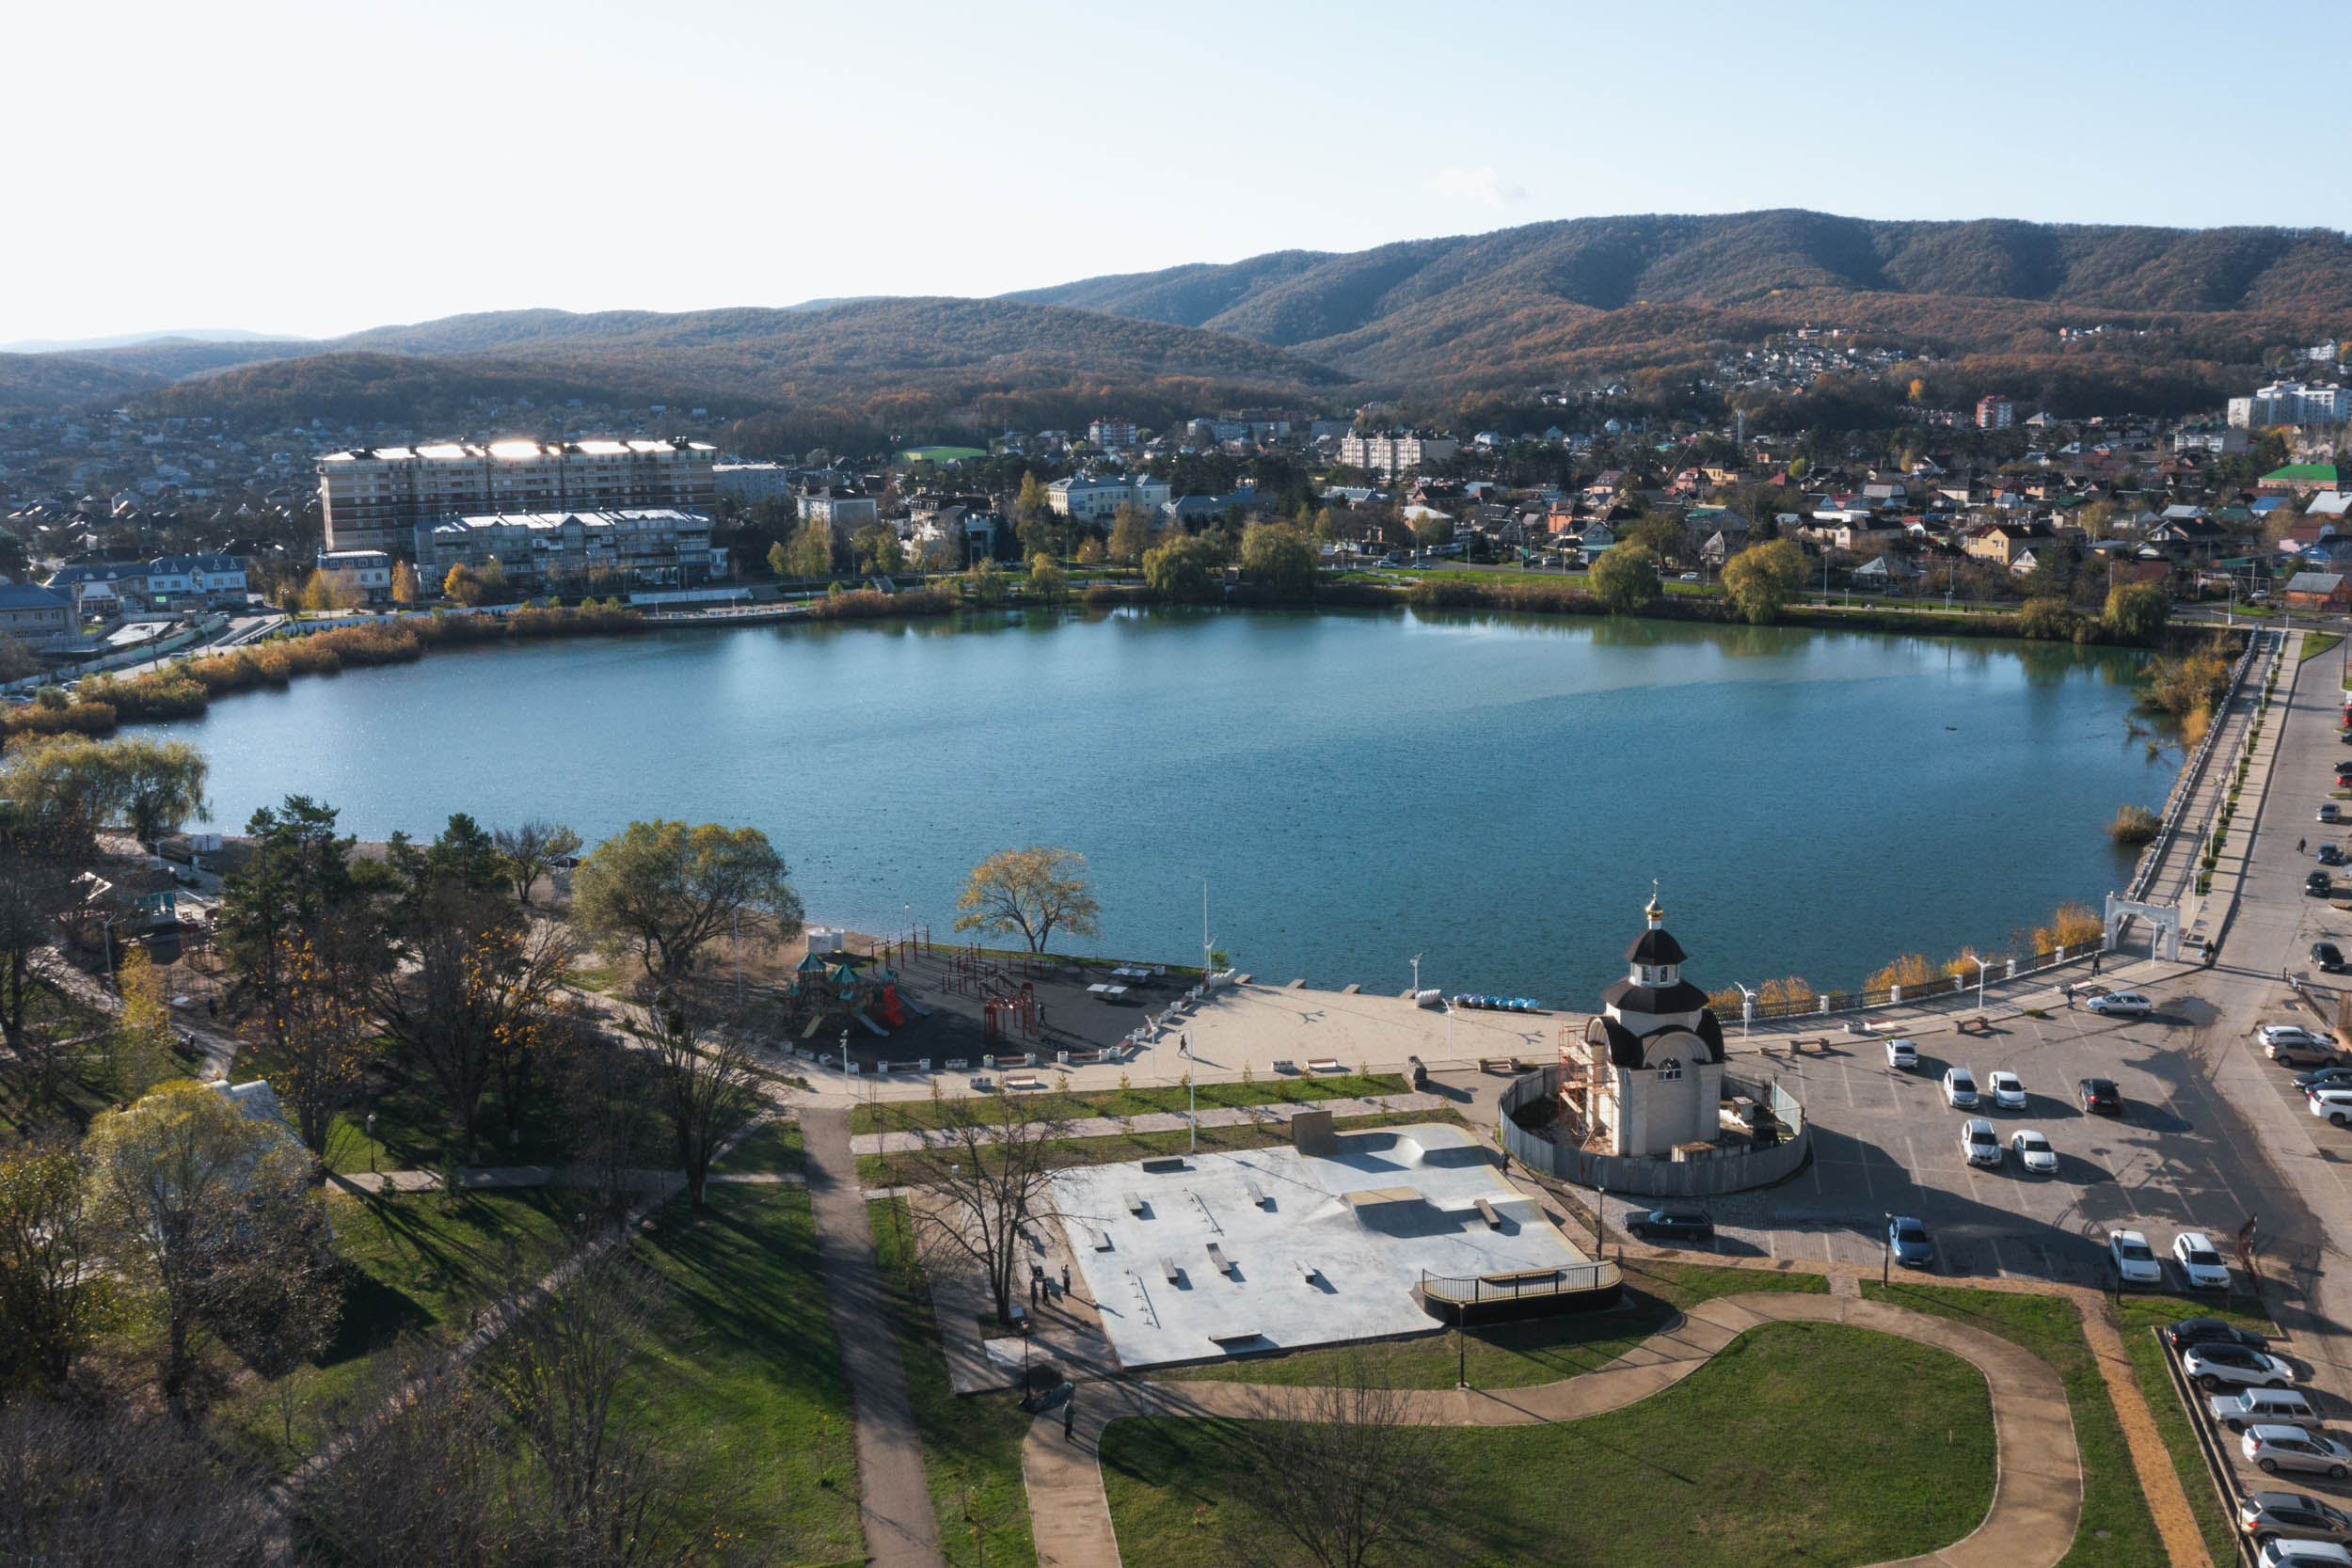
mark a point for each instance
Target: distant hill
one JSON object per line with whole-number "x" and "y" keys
{"x": 2192, "y": 313}
{"x": 1512, "y": 302}
{"x": 131, "y": 340}
{"x": 922, "y": 356}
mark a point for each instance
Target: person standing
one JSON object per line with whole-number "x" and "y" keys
{"x": 1069, "y": 1415}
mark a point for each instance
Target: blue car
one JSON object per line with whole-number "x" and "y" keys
{"x": 1907, "y": 1239}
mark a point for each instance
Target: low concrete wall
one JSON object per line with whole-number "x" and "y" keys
{"x": 1649, "y": 1178}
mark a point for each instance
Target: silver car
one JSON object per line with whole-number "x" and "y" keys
{"x": 2267, "y": 1517}
{"x": 2274, "y": 1449}
{"x": 2212, "y": 1366}
{"x": 2034, "y": 1152}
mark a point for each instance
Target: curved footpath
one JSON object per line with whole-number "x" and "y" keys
{"x": 2037, "y": 1495}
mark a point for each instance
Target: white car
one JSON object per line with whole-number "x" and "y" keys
{"x": 2283, "y": 1553}
{"x": 2291, "y": 1034}
{"x": 1903, "y": 1054}
{"x": 2200, "y": 1262}
{"x": 2135, "y": 1260}
{"x": 1959, "y": 1088}
{"x": 2335, "y": 1105}
{"x": 2328, "y": 812}
{"x": 2120, "y": 1003}
{"x": 2009, "y": 1091}
{"x": 2034, "y": 1152}
{"x": 2212, "y": 1366}
{"x": 1978, "y": 1143}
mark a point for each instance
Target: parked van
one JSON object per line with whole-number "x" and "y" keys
{"x": 2252, "y": 1406}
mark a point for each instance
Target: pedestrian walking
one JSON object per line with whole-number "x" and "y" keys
{"x": 2299, "y": 845}
{"x": 2067, "y": 992}
{"x": 2094, "y": 964}
{"x": 1069, "y": 1415}
{"x": 1065, "y": 1279}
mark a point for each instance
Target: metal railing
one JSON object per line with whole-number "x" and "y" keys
{"x": 1566, "y": 1280}
{"x": 2184, "y": 787}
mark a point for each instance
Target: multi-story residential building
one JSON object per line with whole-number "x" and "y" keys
{"x": 844, "y": 511}
{"x": 34, "y": 615}
{"x": 750, "y": 483}
{"x": 1994, "y": 412}
{"x": 1091, "y": 497}
{"x": 1391, "y": 456}
{"x": 1112, "y": 434}
{"x": 369, "y": 571}
{"x": 2292, "y": 403}
{"x": 378, "y": 497}
{"x": 595, "y": 551}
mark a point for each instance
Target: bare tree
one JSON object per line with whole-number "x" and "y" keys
{"x": 703, "y": 1083}
{"x": 33, "y": 891}
{"x": 532, "y": 851}
{"x": 984, "y": 1175}
{"x": 603, "y": 1092}
{"x": 560, "y": 1375}
{"x": 1335, "y": 1467}
{"x": 84, "y": 1488}
{"x": 422, "y": 1486}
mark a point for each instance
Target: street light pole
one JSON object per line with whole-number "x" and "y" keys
{"x": 1886, "y": 1248}
{"x": 1982, "y": 967}
{"x": 1417, "y": 976}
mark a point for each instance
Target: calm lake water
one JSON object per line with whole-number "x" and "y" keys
{"x": 1493, "y": 793}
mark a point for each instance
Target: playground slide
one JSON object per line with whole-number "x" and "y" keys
{"x": 911, "y": 1004}
{"x": 874, "y": 1026}
{"x": 814, "y": 1024}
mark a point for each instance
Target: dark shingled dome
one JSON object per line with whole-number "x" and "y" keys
{"x": 1656, "y": 946}
{"x": 1659, "y": 1000}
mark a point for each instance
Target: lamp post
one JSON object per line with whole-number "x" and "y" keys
{"x": 1747, "y": 1009}
{"x": 1416, "y": 960}
{"x": 106, "y": 934}
{"x": 1886, "y": 1248}
{"x": 371, "y": 1143}
{"x": 1983, "y": 965}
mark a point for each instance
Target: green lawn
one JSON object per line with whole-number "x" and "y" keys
{"x": 970, "y": 1444}
{"x": 418, "y": 1265}
{"x": 743, "y": 1382}
{"x": 1801, "y": 1443}
{"x": 2317, "y": 642}
{"x": 774, "y": 1145}
{"x": 2138, "y": 1320}
{"x": 2115, "y": 1530}
{"x": 1541, "y": 1350}
{"x": 903, "y": 1115}
{"x": 882, "y": 1170}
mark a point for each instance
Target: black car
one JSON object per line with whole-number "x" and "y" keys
{"x": 2318, "y": 884}
{"x": 2328, "y": 1077}
{"x": 2100, "y": 1097}
{"x": 2330, "y": 855}
{"x": 2211, "y": 1331}
{"x": 2327, "y": 955}
{"x": 1681, "y": 1226}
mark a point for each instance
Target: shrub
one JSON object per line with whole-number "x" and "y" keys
{"x": 2134, "y": 825}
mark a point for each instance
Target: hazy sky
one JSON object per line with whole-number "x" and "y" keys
{"x": 316, "y": 168}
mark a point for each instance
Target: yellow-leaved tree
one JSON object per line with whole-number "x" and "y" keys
{"x": 1031, "y": 894}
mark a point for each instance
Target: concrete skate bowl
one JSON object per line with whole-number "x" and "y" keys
{"x": 1378, "y": 1151}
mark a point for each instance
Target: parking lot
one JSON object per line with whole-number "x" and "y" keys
{"x": 2179, "y": 1157}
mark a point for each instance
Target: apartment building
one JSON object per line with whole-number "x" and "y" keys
{"x": 2292, "y": 403}
{"x": 167, "y": 582}
{"x": 578, "y": 551}
{"x": 1112, "y": 434}
{"x": 34, "y": 615}
{"x": 369, "y": 571}
{"x": 1092, "y": 499}
{"x": 1995, "y": 413}
{"x": 379, "y": 497}
{"x": 753, "y": 483}
{"x": 1391, "y": 456}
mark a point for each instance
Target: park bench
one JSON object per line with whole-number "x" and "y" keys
{"x": 1025, "y": 1083}
{"x": 1818, "y": 1043}
{"x": 1980, "y": 1024}
{"x": 1494, "y": 1064}
{"x": 1327, "y": 1064}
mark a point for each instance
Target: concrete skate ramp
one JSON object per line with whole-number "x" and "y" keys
{"x": 1400, "y": 1211}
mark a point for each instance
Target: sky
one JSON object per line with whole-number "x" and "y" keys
{"x": 315, "y": 170}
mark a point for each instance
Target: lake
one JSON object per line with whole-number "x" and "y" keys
{"x": 1494, "y": 793}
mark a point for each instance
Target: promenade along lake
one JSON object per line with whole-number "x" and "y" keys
{"x": 1492, "y": 793}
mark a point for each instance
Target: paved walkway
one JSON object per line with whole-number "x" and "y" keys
{"x": 2037, "y": 1497}
{"x": 893, "y": 1496}
{"x": 492, "y": 1177}
{"x": 1173, "y": 1121}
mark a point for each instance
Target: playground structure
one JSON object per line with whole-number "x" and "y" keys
{"x": 836, "y": 991}
{"x": 1008, "y": 1010}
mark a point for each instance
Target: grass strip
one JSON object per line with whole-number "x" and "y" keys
{"x": 909, "y": 1115}
{"x": 2115, "y": 1530}
{"x": 971, "y": 1442}
{"x": 886, "y": 1170}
